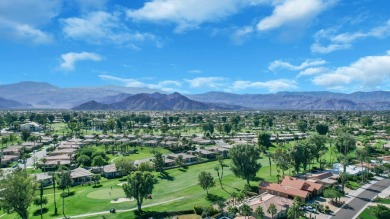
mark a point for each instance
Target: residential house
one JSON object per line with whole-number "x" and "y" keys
{"x": 265, "y": 200}
{"x": 81, "y": 176}
{"x": 292, "y": 187}
{"x": 31, "y": 127}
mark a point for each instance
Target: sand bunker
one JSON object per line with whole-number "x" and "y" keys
{"x": 120, "y": 200}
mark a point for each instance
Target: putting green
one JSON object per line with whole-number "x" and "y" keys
{"x": 107, "y": 194}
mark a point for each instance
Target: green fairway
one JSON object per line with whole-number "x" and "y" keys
{"x": 175, "y": 183}
{"x": 107, "y": 194}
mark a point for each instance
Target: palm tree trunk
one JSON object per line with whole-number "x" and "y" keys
{"x": 63, "y": 203}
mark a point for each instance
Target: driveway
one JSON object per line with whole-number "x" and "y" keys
{"x": 352, "y": 208}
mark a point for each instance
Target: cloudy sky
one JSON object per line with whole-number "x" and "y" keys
{"x": 195, "y": 46}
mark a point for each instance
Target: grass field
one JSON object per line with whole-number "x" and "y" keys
{"x": 367, "y": 214}
{"x": 174, "y": 184}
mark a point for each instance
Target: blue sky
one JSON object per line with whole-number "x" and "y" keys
{"x": 195, "y": 46}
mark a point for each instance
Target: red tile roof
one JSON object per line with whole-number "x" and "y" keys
{"x": 284, "y": 189}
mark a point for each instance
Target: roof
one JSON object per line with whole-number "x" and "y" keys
{"x": 80, "y": 172}
{"x": 292, "y": 182}
{"x": 322, "y": 175}
{"x": 284, "y": 189}
{"x": 42, "y": 176}
{"x": 300, "y": 184}
{"x": 266, "y": 199}
{"x": 111, "y": 168}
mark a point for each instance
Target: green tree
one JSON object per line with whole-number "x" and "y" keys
{"x": 64, "y": 181}
{"x": 272, "y": 210}
{"x": 319, "y": 142}
{"x": 66, "y": 118}
{"x": 332, "y": 194}
{"x": 264, "y": 139}
{"x": 51, "y": 118}
{"x": 84, "y": 160}
{"x": 158, "y": 161}
{"x": 220, "y": 166}
{"x": 139, "y": 185}
{"x": 206, "y": 181}
{"x": 145, "y": 166}
{"x": 179, "y": 161}
{"x": 98, "y": 161}
{"x": 302, "y": 125}
{"x": 381, "y": 212}
{"x": 322, "y": 129}
{"x": 295, "y": 212}
{"x": 282, "y": 159}
{"x": 17, "y": 191}
{"x": 245, "y": 210}
{"x": 366, "y": 121}
{"x": 125, "y": 166}
{"x": 25, "y": 135}
{"x": 244, "y": 161}
{"x": 259, "y": 212}
{"x": 96, "y": 179}
{"x": 345, "y": 144}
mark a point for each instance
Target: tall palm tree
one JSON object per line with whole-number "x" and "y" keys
{"x": 272, "y": 210}
{"x": 259, "y": 212}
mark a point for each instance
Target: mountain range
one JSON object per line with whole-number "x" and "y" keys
{"x": 30, "y": 94}
{"x": 156, "y": 101}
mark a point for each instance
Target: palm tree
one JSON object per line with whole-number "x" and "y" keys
{"x": 259, "y": 212}
{"x": 272, "y": 210}
{"x": 245, "y": 210}
{"x": 43, "y": 160}
{"x": 54, "y": 189}
{"x": 234, "y": 196}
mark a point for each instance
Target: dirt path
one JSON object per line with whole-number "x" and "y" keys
{"x": 119, "y": 211}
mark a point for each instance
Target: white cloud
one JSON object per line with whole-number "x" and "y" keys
{"x": 312, "y": 71}
{"x": 21, "y": 20}
{"x": 69, "y": 59}
{"x": 212, "y": 82}
{"x": 326, "y": 41}
{"x": 166, "y": 85}
{"x": 216, "y": 83}
{"x": 100, "y": 27}
{"x": 271, "y": 86}
{"x": 279, "y": 64}
{"x": 189, "y": 14}
{"x": 370, "y": 72}
{"x": 241, "y": 34}
{"x": 293, "y": 12}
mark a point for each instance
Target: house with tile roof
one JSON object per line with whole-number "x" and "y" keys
{"x": 292, "y": 187}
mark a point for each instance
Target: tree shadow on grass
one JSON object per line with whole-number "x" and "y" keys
{"x": 157, "y": 214}
{"x": 166, "y": 176}
{"x": 182, "y": 169}
{"x": 97, "y": 186}
{"x": 38, "y": 211}
{"x": 214, "y": 198}
{"x": 235, "y": 188}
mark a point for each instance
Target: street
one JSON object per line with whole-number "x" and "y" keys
{"x": 350, "y": 209}
{"x": 38, "y": 155}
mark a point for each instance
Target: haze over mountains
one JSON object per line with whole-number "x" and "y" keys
{"x": 44, "y": 95}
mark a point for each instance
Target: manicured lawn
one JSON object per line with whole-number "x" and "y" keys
{"x": 353, "y": 185}
{"x": 367, "y": 214}
{"x": 382, "y": 200}
{"x": 176, "y": 183}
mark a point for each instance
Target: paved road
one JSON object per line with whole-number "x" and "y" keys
{"x": 30, "y": 161}
{"x": 355, "y": 205}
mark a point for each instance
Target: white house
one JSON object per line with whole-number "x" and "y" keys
{"x": 31, "y": 126}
